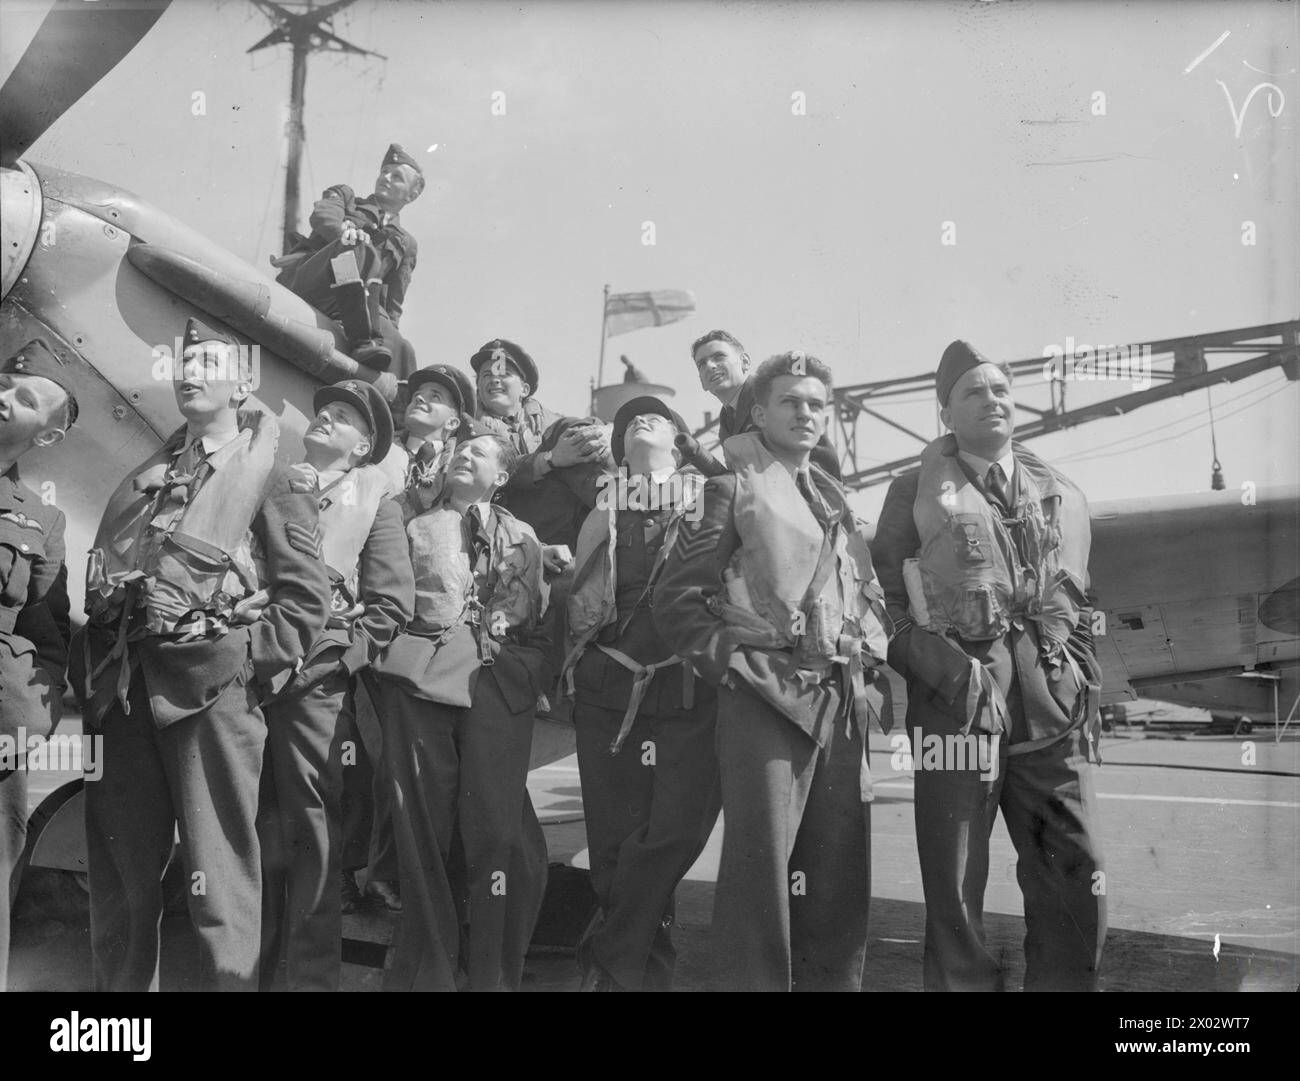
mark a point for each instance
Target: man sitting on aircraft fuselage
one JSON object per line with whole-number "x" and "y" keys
{"x": 357, "y": 264}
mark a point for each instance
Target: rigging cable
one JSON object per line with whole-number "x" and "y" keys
{"x": 1216, "y": 470}
{"x": 1267, "y": 393}
{"x": 1090, "y": 452}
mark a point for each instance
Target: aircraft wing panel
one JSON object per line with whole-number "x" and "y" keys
{"x": 1182, "y": 581}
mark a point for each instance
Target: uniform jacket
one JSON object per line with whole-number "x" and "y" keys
{"x": 190, "y": 535}
{"x": 34, "y": 627}
{"x": 936, "y": 668}
{"x": 396, "y": 246}
{"x": 183, "y": 678}
{"x": 687, "y": 611}
{"x": 442, "y": 661}
{"x": 738, "y": 417}
{"x": 554, "y": 503}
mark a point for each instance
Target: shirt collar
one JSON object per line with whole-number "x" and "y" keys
{"x": 215, "y": 442}
{"x": 11, "y": 486}
{"x": 414, "y": 443}
{"x": 981, "y": 465}
{"x": 326, "y": 477}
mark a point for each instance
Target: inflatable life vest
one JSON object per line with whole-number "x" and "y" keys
{"x": 201, "y": 559}
{"x": 980, "y": 571}
{"x": 592, "y": 604}
{"x": 347, "y": 512}
{"x": 783, "y": 548}
{"x": 444, "y": 579}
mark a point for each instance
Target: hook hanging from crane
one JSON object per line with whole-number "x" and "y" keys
{"x": 1216, "y": 470}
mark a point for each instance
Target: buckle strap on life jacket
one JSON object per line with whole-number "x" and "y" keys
{"x": 643, "y": 675}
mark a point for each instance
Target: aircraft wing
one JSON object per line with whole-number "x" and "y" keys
{"x": 1196, "y": 588}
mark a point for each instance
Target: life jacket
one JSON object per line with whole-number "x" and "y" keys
{"x": 593, "y": 602}
{"x": 204, "y": 558}
{"x": 445, "y": 591}
{"x": 347, "y": 513}
{"x": 976, "y": 581}
{"x": 526, "y": 436}
{"x": 783, "y": 551}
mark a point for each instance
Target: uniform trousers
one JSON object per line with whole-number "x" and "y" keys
{"x": 200, "y": 774}
{"x": 649, "y": 810}
{"x": 794, "y": 884}
{"x": 313, "y": 280}
{"x": 458, "y": 773}
{"x": 1049, "y": 805}
{"x": 309, "y": 744}
{"x": 367, "y": 811}
{"x": 13, "y": 834}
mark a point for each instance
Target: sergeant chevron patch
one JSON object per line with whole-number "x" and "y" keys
{"x": 304, "y": 539}
{"x": 693, "y": 541}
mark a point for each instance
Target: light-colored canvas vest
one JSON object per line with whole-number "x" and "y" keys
{"x": 781, "y": 546}
{"x": 347, "y": 513}
{"x": 975, "y": 583}
{"x": 444, "y": 578}
{"x": 205, "y": 557}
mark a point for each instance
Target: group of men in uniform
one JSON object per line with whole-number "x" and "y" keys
{"x": 722, "y": 638}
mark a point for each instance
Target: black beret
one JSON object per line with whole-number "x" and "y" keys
{"x": 447, "y": 377}
{"x": 367, "y": 400}
{"x": 959, "y": 358}
{"x": 629, "y": 411}
{"x": 505, "y": 350}
{"x": 37, "y": 358}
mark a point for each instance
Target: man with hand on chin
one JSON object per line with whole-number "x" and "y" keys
{"x": 458, "y": 691}
{"x": 561, "y": 458}
{"x": 770, "y": 594}
{"x": 983, "y": 555}
{"x": 311, "y": 726}
{"x": 171, "y": 677}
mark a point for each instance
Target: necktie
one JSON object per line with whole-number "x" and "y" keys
{"x": 478, "y": 544}
{"x": 182, "y": 480}
{"x": 997, "y": 484}
{"x": 813, "y": 498}
{"x": 188, "y": 459}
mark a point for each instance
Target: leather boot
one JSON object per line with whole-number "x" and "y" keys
{"x": 355, "y": 306}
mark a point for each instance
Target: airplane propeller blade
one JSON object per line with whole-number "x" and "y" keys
{"x": 76, "y": 46}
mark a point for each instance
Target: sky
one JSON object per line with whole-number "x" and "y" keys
{"x": 802, "y": 165}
